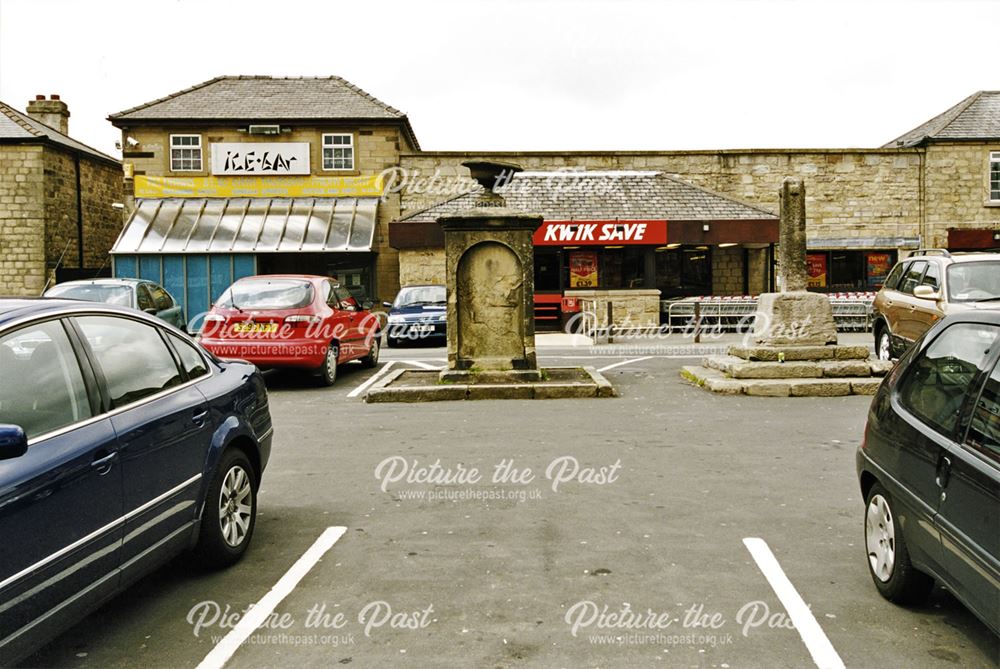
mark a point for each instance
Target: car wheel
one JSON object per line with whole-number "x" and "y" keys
{"x": 883, "y": 345}
{"x": 328, "y": 372}
{"x": 888, "y": 558}
{"x": 371, "y": 359}
{"x": 230, "y": 512}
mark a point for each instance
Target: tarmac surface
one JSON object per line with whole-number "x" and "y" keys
{"x": 628, "y": 544}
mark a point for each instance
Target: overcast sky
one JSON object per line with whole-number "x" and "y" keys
{"x": 532, "y": 75}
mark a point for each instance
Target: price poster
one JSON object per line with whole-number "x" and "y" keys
{"x": 878, "y": 266}
{"x": 582, "y": 269}
{"x": 816, "y": 268}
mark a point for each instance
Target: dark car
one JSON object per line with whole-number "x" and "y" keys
{"x": 929, "y": 467}
{"x": 139, "y": 294}
{"x": 122, "y": 444}
{"x": 419, "y": 313}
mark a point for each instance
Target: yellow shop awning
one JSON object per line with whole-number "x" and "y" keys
{"x": 249, "y": 225}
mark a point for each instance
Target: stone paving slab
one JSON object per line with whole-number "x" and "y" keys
{"x": 410, "y": 385}
{"x": 793, "y": 353}
{"x": 716, "y": 381}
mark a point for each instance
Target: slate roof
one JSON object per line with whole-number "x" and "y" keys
{"x": 266, "y": 98}
{"x": 598, "y": 196}
{"x": 977, "y": 117}
{"x": 16, "y": 127}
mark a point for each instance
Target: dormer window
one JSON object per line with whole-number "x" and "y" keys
{"x": 185, "y": 153}
{"x": 338, "y": 151}
{"x": 995, "y": 177}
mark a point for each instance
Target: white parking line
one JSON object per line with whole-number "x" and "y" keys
{"x": 624, "y": 362}
{"x": 375, "y": 377}
{"x": 421, "y": 365}
{"x": 822, "y": 651}
{"x": 259, "y": 612}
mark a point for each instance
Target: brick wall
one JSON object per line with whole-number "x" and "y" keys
{"x": 22, "y": 216}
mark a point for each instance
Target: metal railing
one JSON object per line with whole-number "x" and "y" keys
{"x": 851, "y": 311}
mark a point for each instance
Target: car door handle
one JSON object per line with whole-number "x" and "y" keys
{"x": 103, "y": 461}
{"x": 943, "y": 472}
{"x": 199, "y": 417}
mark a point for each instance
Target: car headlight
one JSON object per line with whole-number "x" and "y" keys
{"x": 442, "y": 318}
{"x": 396, "y": 318}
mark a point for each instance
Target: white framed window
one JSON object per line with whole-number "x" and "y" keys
{"x": 338, "y": 151}
{"x": 995, "y": 176}
{"x": 185, "y": 153}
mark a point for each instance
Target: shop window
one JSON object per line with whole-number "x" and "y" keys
{"x": 995, "y": 176}
{"x": 547, "y": 271}
{"x": 338, "y": 152}
{"x": 185, "y": 153}
{"x": 683, "y": 272}
{"x": 846, "y": 271}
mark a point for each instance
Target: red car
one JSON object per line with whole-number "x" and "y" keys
{"x": 292, "y": 320}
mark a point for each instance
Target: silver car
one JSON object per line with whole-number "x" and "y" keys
{"x": 139, "y": 294}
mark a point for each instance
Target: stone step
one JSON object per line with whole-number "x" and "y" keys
{"x": 716, "y": 381}
{"x": 738, "y": 368}
{"x": 795, "y": 353}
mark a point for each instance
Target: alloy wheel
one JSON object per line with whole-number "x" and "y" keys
{"x": 235, "y": 508}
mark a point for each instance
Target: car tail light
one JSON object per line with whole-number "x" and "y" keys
{"x": 302, "y": 318}
{"x": 212, "y": 325}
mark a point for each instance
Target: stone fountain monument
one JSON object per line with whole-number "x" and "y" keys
{"x": 793, "y": 349}
{"x": 489, "y": 264}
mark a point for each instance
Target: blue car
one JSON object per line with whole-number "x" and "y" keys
{"x": 122, "y": 444}
{"x": 419, "y": 313}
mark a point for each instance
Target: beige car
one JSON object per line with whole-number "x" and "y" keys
{"x": 924, "y": 288}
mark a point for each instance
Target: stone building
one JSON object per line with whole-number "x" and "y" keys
{"x": 259, "y": 175}
{"x": 627, "y": 237}
{"x": 57, "y": 219}
{"x": 960, "y": 185}
{"x": 936, "y": 186}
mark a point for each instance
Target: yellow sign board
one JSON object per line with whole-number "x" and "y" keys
{"x": 156, "y": 187}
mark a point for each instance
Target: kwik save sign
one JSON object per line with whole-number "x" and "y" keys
{"x": 600, "y": 233}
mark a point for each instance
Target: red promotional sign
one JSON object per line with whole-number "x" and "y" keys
{"x": 816, "y": 267}
{"x": 600, "y": 233}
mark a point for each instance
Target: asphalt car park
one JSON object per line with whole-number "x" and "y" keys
{"x": 672, "y": 486}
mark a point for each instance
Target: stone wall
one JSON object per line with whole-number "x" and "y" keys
{"x": 956, "y": 186}
{"x": 60, "y": 213}
{"x": 421, "y": 266}
{"x": 727, "y": 271}
{"x": 22, "y": 220}
{"x": 100, "y": 187}
{"x": 851, "y": 193}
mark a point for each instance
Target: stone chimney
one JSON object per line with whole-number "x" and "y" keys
{"x": 53, "y": 112}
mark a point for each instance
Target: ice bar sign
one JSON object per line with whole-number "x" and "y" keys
{"x": 260, "y": 158}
